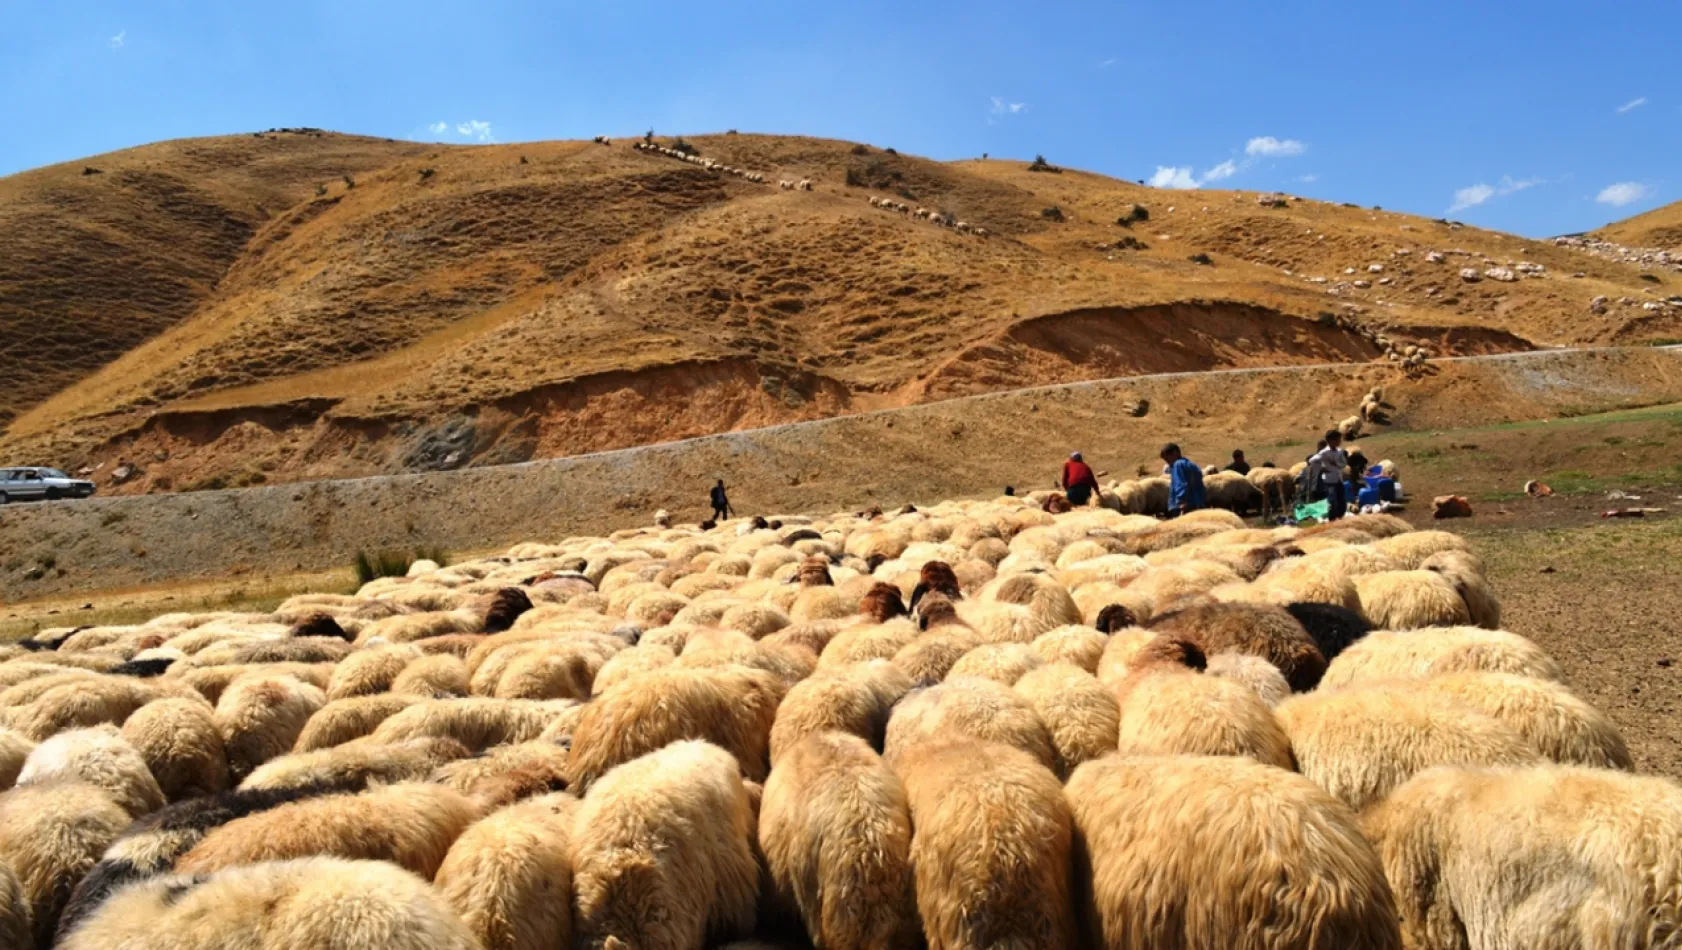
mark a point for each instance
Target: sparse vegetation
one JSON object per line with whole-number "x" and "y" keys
{"x": 349, "y": 183}
{"x": 681, "y": 146}
{"x": 1053, "y": 213}
{"x": 392, "y": 563}
{"x": 1651, "y": 278}
{"x": 524, "y": 161}
{"x": 426, "y": 173}
{"x": 1201, "y": 258}
{"x": 861, "y": 150}
{"x": 875, "y": 173}
{"x": 321, "y": 191}
{"x": 1039, "y": 164}
{"x": 1135, "y": 213}
{"x": 90, "y": 170}
{"x": 890, "y": 151}
{"x": 729, "y": 131}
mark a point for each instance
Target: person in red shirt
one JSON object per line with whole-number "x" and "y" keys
{"x": 1078, "y": 481}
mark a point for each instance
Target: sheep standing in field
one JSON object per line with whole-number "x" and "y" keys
{"x": 662, "y": 852}
{"x": 1079, "y": 713}
{"x": 260, "y": 717}
{"x": 101, "y": 757}
{"x": 835, "y": 828}
{"x": 967, "y": 708}
{"x": 50, "y": 835}
{"x": 1258, "y": 629}
{"x": 805, "y": 184}
{"x": 731, "y": 706}
{"x": 181, "y": 746}
{"x": 1164, "y": 680}
{"x": 991, "y": 830}
{"x": 1360, "y": 743}
{"x": 412, "y": 825}
{"x": 1417, "y": 654}
{"x": 317, "y": 902}
{"x": 1562, "y": 727}
{"x": 1192, "y": 851}
{"x": 1546, "y": 856}
{"x": 510, "y": 875}
{"x": 1408, "y": 600}
{"x": 856, "y": 699}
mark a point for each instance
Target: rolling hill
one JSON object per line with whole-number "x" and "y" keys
{"x": 1659, "y": 228}
{"x": 302, "y": 304}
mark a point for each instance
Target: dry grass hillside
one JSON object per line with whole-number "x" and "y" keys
{"x": 100, "y": 255}
{"x": 1659, "y": 228}
{"x": 474, "y": 305}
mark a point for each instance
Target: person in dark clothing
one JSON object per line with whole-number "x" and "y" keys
{"x": 1357, "y": 466}
{"x": 1079, "y": 482}
{"x": 1238, "y": 464}
{"x": 721, "y": 502}
{"x": 1185, "y": 482}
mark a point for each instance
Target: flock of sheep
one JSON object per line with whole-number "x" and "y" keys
{"x": 692, "y": 159}
{"x": 933, "y": 217}
{"x": 977, "y": 724}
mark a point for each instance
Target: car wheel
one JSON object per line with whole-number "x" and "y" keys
{"x": 4, "y": 498}
{"x": 52, "y": 494}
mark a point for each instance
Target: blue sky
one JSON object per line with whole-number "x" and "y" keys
{"x": 1539, "y": 118}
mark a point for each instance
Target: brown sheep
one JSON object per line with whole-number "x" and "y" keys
{"x": 412, "y": 825}
{"x": 1079, "y": 713}
{"x": 510, "y": 875}
{"x": 179, "y": 741}
{"x": 991, "y": 830}
{"x": 835, "y": 828}
{"x": 662, "y": 852}
{"x": 315, "y": 902}
{"x": 16, "y": 928}
{"x": 342, "y": 720}
{"x": 855, "y": 699}
{"x": 352, "y": 767}
{"x": 475, "y": 722}
{"x": 1361, "y": 742}
{"x": 882, "y": 603}
{"x": 1181, "y": 852}
{"x": 508, "y": 773}
{"x": 1258, "y": 629}
{"x": 731, "y": 706}
{"x": 260, "y": 717}
{"x": 967, "y": 708}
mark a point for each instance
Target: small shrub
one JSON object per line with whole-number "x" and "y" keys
{"x": 426, "y": 173}
{"x": 349, "y": 183}
{"x": 1053, "y": 213}
{"x": 729, "y": 131}
{"x": 854, "y": 179}
{"x": 906, "y": 194}
{"x": 1135, "y": 213}
{"x": 861, "y": 150}
{"x": 90, "y": 170}
{"x": 890, "y": 151}
{"x": 1651, "y": 278}
{"x": 1201, "y": 258}
{"x": 524, "y": 161}
{"x": 684, "y": 147}
{"x": 1041, "y": 165}
{"x": 648, "y": 137}
{"x": 321, "y": 191}
{"x": 393, "y": 563}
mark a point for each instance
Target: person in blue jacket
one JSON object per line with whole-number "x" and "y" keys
{"x": 1185, "y": 482}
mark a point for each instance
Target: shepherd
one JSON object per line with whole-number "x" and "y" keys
{"x": 1078, "y": 481}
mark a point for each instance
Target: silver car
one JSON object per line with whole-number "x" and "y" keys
{"x": 35, "y": 483}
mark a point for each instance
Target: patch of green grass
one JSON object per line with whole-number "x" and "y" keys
{"x": 392, "y": 563}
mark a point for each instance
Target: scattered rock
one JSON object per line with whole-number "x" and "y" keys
{"x": 1548, "y": 570}
{"x": 1138, "y": 409}
{"x": 1665, "y": 662}
{"x": 1501, "y": 274}
{"x": 1363, "y": 284}
{"x": 1598, "y": 304}
{"x": 1271, "y": 201}
{"x": 1470, "y": 275}
{"x": 124, "y": 472}
{"x": 1434, "y": 257}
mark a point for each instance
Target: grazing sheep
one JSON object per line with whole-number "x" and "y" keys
{"x": 1164, "y": 681}
{"x": 632, "y": 662}
{"x": 52, "y": 704}
{"x": 967, "y": 708}
{"x": 1079, "y": 713}
{"x": 509, "y": 876}
{"x": 50, "y": 835}
{"x": 1547, "y": 856}
{"x": 1001, "y": 662}
{"x": 1258, "y": 629}
{"x": 437, "y": 676}
{"x": 1082, "y": 646}
{"x": 411, "y": 825}
{"x": 508, "y": 773}
{"x": 475, "y": 722}
{"x": 1232, "y": 492}
{"x": 351, "y": 768}
{"x": 316, "y": 902}
{"x": 260, "y": 717}
{"x": 1465, "y": 571}
{"x": 1254, "y": 672}
{"x": 1332, "y": 628}
{"x": 1410, "y": 550}
{"x": 179, "y": 741}
{"x": 856, "y": 699}
{"x": 1182, "y": 852}
{"x": 14, "y": 749}
{"x": 835, "y": 829}
{"x": 1562, "y": 727}
{"x": 1360, "y": 743}
{"x": 342, "y": 720}
{"x": 1408, "y": 600}
{"x": 662, "y": 852}
{"x": 98, "y": 756}
{"x": 731, "y": 706}
{"x": 992, "y": 831}
{"x": 369, "y": 671}
{"x": 1417, "y": 654}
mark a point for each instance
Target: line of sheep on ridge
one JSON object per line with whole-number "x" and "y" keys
{"x": 933, "y": 217}
{"x": 696, "y": 160}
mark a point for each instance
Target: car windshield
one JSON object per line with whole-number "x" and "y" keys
{"x": 52, "y": 473}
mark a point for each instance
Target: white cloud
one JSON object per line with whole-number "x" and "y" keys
{"x": 1309, "y": 179}
{"x": 1622, "y": 193}
{"x": 475, "y": 130}
{"x": 1001, "y": 107}
{"x": 1226, "y": 169}
{"x": 1171, "y": 176}
{"x": 1474, "y": 195}
{"x": 1106, "y": 64}
{"x": 439, "y": 128}
{"x": 117, "y": 41}
{"x": 1635, "y": 103}
{"x": 1268, "y": 146}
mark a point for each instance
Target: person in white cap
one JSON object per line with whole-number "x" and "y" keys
{"x": 1078, "y": 483}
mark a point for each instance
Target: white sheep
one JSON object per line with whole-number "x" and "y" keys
{"x": 804, "y": 185}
